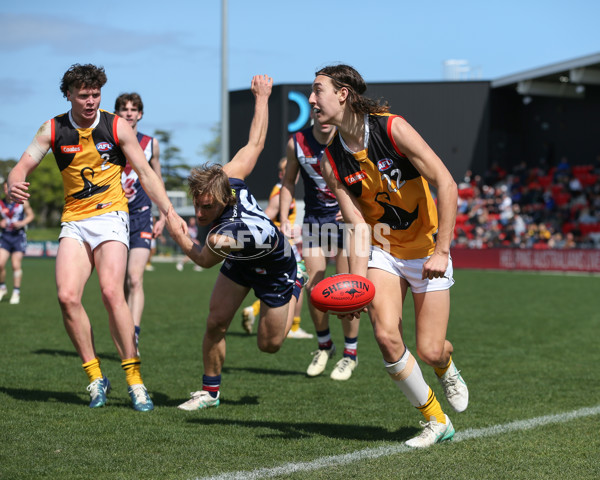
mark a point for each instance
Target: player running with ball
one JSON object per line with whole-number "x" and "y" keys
{"x": 380, "y": 169}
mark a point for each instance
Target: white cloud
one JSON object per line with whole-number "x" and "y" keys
{"x": 69, "y": 36}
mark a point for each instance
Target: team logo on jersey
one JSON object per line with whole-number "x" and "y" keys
{"x": 356, "y": 177}
{"x": 104, "y": 146}
{"x": 70, "y": 148}
{"x": 384, "y": 164}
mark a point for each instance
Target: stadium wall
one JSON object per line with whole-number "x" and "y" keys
{"x": 527, "y": 259}
{"x": 453, "y": 117}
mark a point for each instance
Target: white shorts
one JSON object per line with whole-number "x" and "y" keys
{"x": 411, "y": 271}
{"x": 96, "y": 230}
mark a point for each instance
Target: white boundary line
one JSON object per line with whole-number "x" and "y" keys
{"x": 369, "y": 453}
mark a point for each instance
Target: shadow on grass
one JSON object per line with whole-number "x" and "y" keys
{"x": 82, "y": 399}
{"x": 27, "y": 395}
{"x": 298, "y": 430}
{"x": 263, "y": 371}
{"x": 163, "y": 400}
{"x": 69, "y": 353}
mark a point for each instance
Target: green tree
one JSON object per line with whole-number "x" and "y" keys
{"x": 212, "y": 150}
{"x": 174, "y": 169}
{"x": 47, "y": 197}
{"x": 5, "y": 167}
{"x": 47, "y": 194}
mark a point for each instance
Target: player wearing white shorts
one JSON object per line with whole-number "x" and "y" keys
{"x": 91, "y": 147}
{"x": 380, "y": 169}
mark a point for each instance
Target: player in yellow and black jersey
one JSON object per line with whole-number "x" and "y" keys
{"x": 91, "y": 147}
{"x": 380, "y": 169}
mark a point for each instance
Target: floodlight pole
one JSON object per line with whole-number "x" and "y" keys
{"x": 224, "y": 88}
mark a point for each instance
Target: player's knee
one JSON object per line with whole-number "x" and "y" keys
{"x": 17, "y": 274}
{"x": 268, "y": 345}
{"x": 387, "y": 340}
{"x": 135, "y": 283}
{"x": 431, "y": 354}
{"x": 111, "y": 294}
{"x": 67, "y": 299}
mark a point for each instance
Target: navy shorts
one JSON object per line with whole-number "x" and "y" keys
{"x": 274, "y": 284}
{"x": 140, "y": 229}
{"x": 13, "y": 241}
{"x": 322, "y": 232}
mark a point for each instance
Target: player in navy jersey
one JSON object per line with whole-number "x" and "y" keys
{"x": 254, "y": 252}
{"x": 322, "y": 237}
{"x": 14, "y": 217}
{"x": 141, "y": 228}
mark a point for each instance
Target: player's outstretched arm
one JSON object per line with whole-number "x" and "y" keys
{"x": 288, "y": 188}
{"x": 245, "y": 159}
{"x": 31, "y": 158}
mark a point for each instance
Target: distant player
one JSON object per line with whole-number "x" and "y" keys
{"x": 141, "y": 228}
{"x": 257, "y": 255}
{"x": 14, "y": 218}
{"x": 322, "y": 238}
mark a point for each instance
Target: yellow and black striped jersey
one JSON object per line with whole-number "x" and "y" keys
{"x": 90, "y": 161}
{"x": 395, "y": 199}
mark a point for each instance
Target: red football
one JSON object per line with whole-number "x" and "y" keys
{"x": 342, "y": 293}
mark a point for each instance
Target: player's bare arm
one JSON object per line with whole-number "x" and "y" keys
{"x": 17, "y": 185}
{"x": 288, "y": 188}
{"x": 155, "y": 164}
{"x": 151, "y": 182}
{"x": 431, "y": 167}
{"x": 356, "y": 229}
{"x": 245, "y": 159}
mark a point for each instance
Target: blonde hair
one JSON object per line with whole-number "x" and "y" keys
{"x": 210, "y": 180}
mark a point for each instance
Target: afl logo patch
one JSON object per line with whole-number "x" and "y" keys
{"x": 104, "y": 146}
{"x": 383, "y": 165}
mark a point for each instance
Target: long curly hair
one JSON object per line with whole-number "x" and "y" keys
{"x": 347, "y": 76}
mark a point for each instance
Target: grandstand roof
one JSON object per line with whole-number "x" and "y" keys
{"x": 564, "y": 79}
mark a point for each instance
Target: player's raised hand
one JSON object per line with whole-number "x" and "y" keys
{"x": 261, "y": 85}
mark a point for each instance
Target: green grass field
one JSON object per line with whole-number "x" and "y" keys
{"x": 527, "y": 345}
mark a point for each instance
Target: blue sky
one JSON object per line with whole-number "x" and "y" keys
{"x": 169, "y": 52}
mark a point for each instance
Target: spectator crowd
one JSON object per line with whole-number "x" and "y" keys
{"x": 530, "y": 207}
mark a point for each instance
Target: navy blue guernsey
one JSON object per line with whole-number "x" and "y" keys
{"x": 259, "y": 241}
{"x": 319, "y": 201}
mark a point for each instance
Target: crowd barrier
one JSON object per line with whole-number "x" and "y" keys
{"x": 574, "y": 260}
{"x": 41, "y": 249}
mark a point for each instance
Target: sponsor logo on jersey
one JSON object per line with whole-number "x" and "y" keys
{"x": 104, "y": 146}
{"x": 102, "y": 206}
{"x": 384, "y": 164}
{"x": 70, "y": 148}
{"x": 356, "y": 177}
